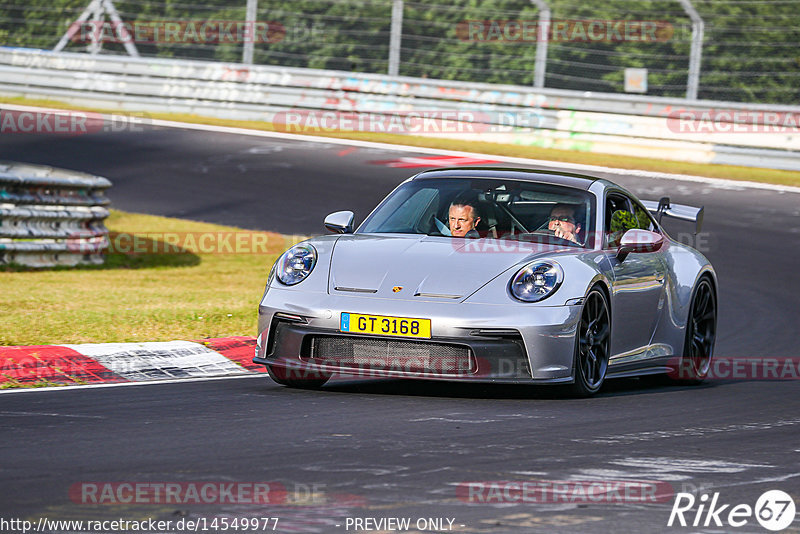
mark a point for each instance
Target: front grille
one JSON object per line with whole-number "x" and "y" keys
{"x": 354, "y": 352}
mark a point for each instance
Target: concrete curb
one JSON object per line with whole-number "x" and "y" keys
{"x": 101, "y": 363}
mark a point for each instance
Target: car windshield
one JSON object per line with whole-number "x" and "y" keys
{"x": 486, "y": 208}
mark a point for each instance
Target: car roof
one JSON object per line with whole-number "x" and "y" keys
{"x": 568, "y": 179}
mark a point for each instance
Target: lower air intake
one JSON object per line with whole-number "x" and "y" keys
{"x": 390, "y": 355}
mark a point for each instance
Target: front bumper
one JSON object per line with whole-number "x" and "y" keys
{"x": 469, "y": 342}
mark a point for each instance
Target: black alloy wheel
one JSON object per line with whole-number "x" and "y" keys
{"x": 592, "y": 346}
{"x": 701, "y": 332}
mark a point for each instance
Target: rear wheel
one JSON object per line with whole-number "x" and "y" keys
{"x": 592, "y": 345}
{"x": 297, "y": 378}
{"x": 701, "y": 333}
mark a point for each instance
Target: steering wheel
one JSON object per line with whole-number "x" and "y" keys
{"x": 443, "y": 228}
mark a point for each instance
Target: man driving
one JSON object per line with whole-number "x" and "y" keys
{"x": 563, "y": 224}
{"x": 463, "y": 218}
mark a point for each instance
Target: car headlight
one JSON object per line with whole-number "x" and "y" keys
{"x": 536, "y": 281}
{"x": 296, "y": 264}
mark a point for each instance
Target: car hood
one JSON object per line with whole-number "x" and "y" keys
{"x": 429, "y": 267}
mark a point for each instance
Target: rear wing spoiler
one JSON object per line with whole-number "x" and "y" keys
{"x": 676, "y": 211}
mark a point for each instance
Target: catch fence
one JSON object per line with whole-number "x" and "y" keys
{"x": 723, "y": 50}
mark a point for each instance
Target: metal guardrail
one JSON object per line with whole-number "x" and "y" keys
{"x": 631, "y": 125}
{"x": 51, "y": 217}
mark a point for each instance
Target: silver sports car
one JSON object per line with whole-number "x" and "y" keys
{"x": 493, "y": 275}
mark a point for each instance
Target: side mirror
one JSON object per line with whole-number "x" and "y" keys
{"x": 638, "y": 241}
{"x": 340, "y": 222}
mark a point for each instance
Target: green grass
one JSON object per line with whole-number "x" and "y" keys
{"x": 729, "y": 172}
{"x": 145, "y": 297}
{"x": 12, "y": 383}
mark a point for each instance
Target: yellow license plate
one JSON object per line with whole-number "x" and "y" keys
{"x": 382, "y": 325}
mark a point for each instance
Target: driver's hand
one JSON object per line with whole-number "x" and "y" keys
{"x": 563, "y": 234}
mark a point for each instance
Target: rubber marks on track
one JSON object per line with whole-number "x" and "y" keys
{"x": 432, "y": 161}
{"x": 46, "y": 365}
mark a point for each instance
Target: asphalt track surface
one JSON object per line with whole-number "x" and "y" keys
{"x": 392, "y": 448}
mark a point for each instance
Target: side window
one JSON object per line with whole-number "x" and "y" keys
{"x": 643, "y": 219}
{"x": 619, "y": 218}
{"x": 623, "y": 214}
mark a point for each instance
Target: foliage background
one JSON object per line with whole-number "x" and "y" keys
{"x": 749, "y": 53}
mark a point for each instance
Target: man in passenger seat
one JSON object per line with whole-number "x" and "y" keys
{"x": 563, "y": 224}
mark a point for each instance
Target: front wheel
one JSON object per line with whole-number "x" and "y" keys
{"x": 592, "y": 345}
{"x": 297, "y": 378}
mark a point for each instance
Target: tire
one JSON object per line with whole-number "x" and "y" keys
{"x": 701, "y": 332}
{"x": 592, "y": 342}
{"x": 303, "y": 380}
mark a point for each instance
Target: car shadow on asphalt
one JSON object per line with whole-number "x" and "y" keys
{"x": 424, "y": 388}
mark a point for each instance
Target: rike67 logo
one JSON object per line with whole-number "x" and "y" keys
{"x": 774, "y": 510}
